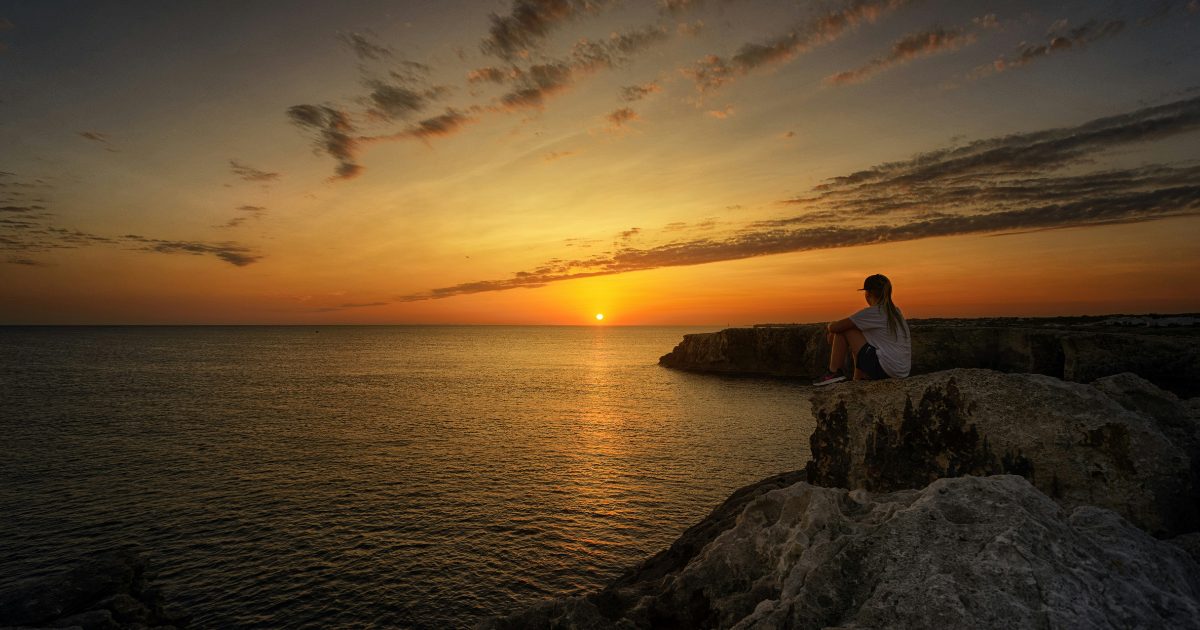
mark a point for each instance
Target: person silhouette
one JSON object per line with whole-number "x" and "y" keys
{"x": 878, "y": 336}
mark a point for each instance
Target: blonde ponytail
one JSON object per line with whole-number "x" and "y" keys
{"x": 883, "y": 295}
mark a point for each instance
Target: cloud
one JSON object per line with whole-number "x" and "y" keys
{"x": 528, "y": 23}
{"x": 713, "y": 72}
{"x": 448, "y": 124}
{"x": 999, "y": 185}
{"x": 618, "y": 120}
{"x": 720, "y": 113}
{"x": 389, "y": 102}
{"x": 639, "y": 92}
{"x": 256, "y": 211}
{"x": 332, "y": 309}
{"x": 4, "y": 23}
{"x": 232, "y": 223}
{"x": 251, "y": 174}
{"x": 557, "y": 155}
{"x": 28, "y": 262}
{"x": 16, "y": 208}
{"x": 99, "y": 137}
{"x": 333, "y": 136}
{"x": 232, "y": 253}
{"x": 541, "y": 81}
{"x": 675, "y": 7}
{"x": 691, "y": 30}
{"x": 1075, "y": 39}
{"x": 789, "y": 135}
{"x": 927, "y": 42}
{"x": 364, "y": 49}
{"x": 536, "y": 84}
{"x": 987, "y": 21}
{"x": 487, "y": 74}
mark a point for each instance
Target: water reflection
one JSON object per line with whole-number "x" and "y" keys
{"x": 410, "y": 477}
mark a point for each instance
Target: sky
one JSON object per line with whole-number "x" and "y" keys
{"x": 664, "y": 162}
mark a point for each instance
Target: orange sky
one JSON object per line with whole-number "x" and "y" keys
{"x": 661, "y": 163}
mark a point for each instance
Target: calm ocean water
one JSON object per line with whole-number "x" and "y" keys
{"x": 356, "y": 477}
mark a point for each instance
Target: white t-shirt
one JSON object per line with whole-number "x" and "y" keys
{"x": 894, "y": 351}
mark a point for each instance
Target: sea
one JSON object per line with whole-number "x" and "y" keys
{"x": 371, "y": 477}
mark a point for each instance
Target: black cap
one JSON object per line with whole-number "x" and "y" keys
{"x": 874, "y": 283}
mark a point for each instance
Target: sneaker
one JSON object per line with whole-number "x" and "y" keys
{"x": 830, "y": 378}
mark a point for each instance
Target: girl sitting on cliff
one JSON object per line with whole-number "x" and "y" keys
{"x": 877, "y": 335}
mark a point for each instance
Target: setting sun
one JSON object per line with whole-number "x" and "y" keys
{"x": 599, "y": 316}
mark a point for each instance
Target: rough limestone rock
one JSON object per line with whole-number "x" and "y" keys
{"x": 110, "y": 591}
{"x": 1076, "y": 443}
{"x": 1189, "y": 543}
{"x": 1172, "y": 363}
{"x": 969, "y": 552}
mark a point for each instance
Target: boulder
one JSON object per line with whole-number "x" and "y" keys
{"x": 72, "y": 591}
{"x": 1074, "y": 442}
{"x": 109, "y": 591}
{"x": 90, "y": 620}
{"x": 968, "y": 552}
{"x": 1189, "y": 543}
{"x": 1172, "y": 363}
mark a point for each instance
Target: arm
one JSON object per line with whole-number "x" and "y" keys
{"x": 841, "y": 325}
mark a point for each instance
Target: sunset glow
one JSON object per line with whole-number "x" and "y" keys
{"x": 685, "y": 162}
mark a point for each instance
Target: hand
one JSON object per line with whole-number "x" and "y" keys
{"x": 829, "y": 338}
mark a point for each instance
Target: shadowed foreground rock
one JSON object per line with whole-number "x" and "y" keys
{"x": 970, "y": 552}
{"x": 1172, "y": 363}
{"x": 110, "y": 592}
{"x": 1123, "y": 445}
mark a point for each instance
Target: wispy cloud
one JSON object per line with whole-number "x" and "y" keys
{"x": 27, "y": 262}
{"x": 100, "y": 138}
{"x": 713, "y": 72}
{"x": 389, "y": 101}
{"x": 927, "y": 42}
{"x": 558, "y": 155}
{"x": 528, "y": 23}
{"x": 639, "y": 92}
{"x": 617, "y": 121}
{"x": 334, "y": 136}
{"x": 720, "y": 113}
{"x": 251, "y": 174}
{"x": 233, "y": 253}
{"x": 1074, "y": 39}
{"x": 363, "y": 48}
{"x": 675, "y": 7}
{"x": 999, "y": 185}
{"x": 488, "y": 74}
{"x": 541, "y": 81}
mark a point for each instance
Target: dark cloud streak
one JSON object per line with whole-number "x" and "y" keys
{"x": 1000, "y": 185}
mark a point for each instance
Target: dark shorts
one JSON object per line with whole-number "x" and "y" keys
{"x": 868, "y": 362}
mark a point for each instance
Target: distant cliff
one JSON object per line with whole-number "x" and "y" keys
{"x": 1172, "y": 363}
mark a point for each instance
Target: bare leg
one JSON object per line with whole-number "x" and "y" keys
{"x": 838, "y": 356}
{"x": 855, "y": 340}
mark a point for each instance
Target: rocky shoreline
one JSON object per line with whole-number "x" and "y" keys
{"x": 113, "y": 591}
{"x": 1172, "y": 363}
{"x": 1058, "y": 488}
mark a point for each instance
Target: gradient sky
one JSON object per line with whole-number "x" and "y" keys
{"x": 541, "y": 161}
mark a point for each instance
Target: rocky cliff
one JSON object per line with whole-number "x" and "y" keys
{"x": 972, "y": 552}
{"x": 1121, "y": 444}
{"x": 960, "y": 499}
{"x": 1172, "y": 363}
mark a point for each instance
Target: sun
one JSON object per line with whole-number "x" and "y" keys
{"x": 599, "y": 316}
